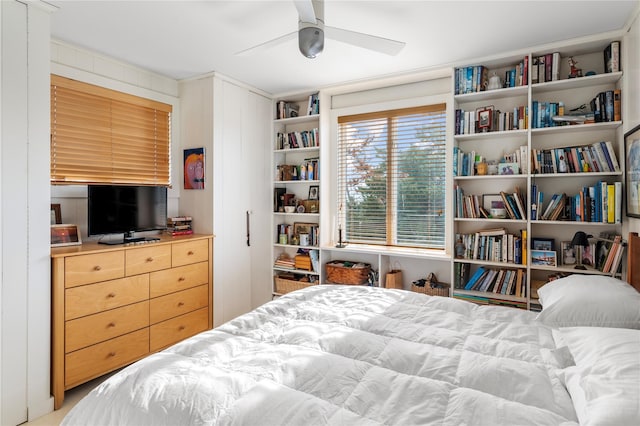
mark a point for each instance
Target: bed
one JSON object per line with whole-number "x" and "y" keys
{"x": 356, "y": 355}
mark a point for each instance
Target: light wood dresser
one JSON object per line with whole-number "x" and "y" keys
{"x": 112, "y": 305}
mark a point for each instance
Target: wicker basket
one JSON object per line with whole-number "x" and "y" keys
{"x": 337, "y": 273}
{"x": 286, "y": 285}
{"x": 427, "y": 289}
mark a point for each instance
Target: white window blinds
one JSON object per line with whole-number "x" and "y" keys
{"x": 391, "y": 177}
{"x": 103, "y": 136}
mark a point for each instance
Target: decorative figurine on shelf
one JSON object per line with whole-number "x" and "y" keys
{"x": 562, "y": 165}
{"x": 494, "y": 82}
{"x": 574, "y": 71}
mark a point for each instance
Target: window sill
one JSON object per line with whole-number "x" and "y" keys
{"x": 393, "y": 251}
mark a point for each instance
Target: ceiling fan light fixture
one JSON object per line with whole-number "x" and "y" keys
{"x": 311, "y": 40}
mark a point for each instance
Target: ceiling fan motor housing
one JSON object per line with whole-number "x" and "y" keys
{"x": 311, "y": 38}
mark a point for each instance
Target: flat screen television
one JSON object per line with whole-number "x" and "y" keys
{"x": 126, "y": 209}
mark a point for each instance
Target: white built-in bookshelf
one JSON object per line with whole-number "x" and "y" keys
{"x": 532, "y": 168}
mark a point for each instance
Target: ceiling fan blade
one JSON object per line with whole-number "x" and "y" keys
{"x": 367, "y": 41}
{"x": 268, "y": 44}
{"x": 306, "y": 11}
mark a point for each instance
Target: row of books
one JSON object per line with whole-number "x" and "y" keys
{"x": 474, "y": 78}
{"x": 179, "y": 225}
{"x": 303, "y": 139}
{"x": 600, "y": 203}
{"x": 611, "y": 56}
{"x": 499, "y": 281}
{"x": 545, "y": 67}
{"x": 465, "y": 163}
{"x": 286, "y": 109}
{"x": 606, "y": 106}
{"x": 493, "y": 245}
{"x": 609, "y": 249}
{"x": 596, "y": 157}
{"x": 471, "y": 122}
{"x": 475, "y": 207}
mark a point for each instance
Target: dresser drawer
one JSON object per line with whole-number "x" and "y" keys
{"x": 179, "y": 303}
{"x": 93, "y": 268}
{"x": 94, "y": 298}
{"x": 147, "y": 259}
{"x": 180, "y": 278}
{"x": 106, "y": 325}
{"x": 189, "y": 252}
{"x": 171, "y": 331}
{"x": 99, "y": 359}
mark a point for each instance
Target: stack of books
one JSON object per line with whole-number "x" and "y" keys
{"x": 179, "y": 225}
{"x": 284, "y": 261}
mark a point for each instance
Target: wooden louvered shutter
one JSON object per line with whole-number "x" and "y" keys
{"x": 100, "y": 136}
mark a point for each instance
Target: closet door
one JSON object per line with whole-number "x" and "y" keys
{"x": 232, "y": 200}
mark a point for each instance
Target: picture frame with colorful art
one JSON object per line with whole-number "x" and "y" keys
{"x": 194, "y": 168}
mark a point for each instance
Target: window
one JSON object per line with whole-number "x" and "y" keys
{"x": 103, "y": 136}
{"x": 391, "y": 177}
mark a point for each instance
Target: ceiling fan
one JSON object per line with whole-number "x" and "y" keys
{"x": 312, "y": 31}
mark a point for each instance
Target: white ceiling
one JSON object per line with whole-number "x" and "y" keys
{"x": 183, "y": 39}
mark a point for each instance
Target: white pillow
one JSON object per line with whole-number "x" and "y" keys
{"x": 589, "y": 300}
{"x": 605, "y": 382}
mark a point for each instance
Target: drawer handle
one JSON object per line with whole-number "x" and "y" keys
{"x": 111, "y": 354}
{"x": 181, "y": 279}
{"x": 181, "y": 328}
{"x": 180, "y": 303}
{"x": 111, "y": 295}
{"x": 190, "y": 253}
{"x": 97, "y": 268}
{"x": 149, "y": 259}
{"x": 111, "y": 325}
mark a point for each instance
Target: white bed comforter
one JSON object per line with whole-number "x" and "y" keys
{"x": 347, "y": 355}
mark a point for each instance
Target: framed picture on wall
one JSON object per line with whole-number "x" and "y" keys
{"x": 194, "y": 168}
{"x": 632, "y": 171}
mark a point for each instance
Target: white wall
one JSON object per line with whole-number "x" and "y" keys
{"x": 24, "y": 216}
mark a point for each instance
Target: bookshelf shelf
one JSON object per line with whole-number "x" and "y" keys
{"x": 504, "y": 134}
{"x": 489, "y": 221}
{"x": 580, "y": 175}
{"x": 577, "y": 128}
{"x": 492, "y": 177}
{"x": 570, "y": 223}
{"x": 507, "y": 92}
{"x": 490, "y": 295}
{"x": 567, "y": 269}
{"x": 506, "y": 265}
{"x": 577, "y": 83}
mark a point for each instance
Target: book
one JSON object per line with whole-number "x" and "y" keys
{"x": 475, "y": 277}
{"x": 617, "y": 105}
{"x": 612, "y": 57}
